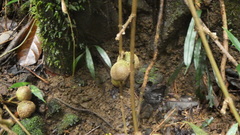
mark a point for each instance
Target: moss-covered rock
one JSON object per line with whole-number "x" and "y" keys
{"x": 34, "y": 125}
{"x": 54, "y": 29}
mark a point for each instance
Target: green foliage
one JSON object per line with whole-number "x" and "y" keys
{"x": 207, "y": 122}
{"x": 154, "y": 75}
{"x": 238, "y": 69}
{"x": 175, "y": 74}
{"x": 197, "y": 130}
{"x": 55, "y": 30}
{"x": 104, "y": 56}
{"x": 89, "y": 60}
{"x": 19, "y": 84}
{"x": 34, "y": 89}
{"x": 67, "y": 121}
{"x": 197, "y": 53}
{"x": 11, "y": 2}
{"x": 236, "y": 43}
{"x": 189, "y": 43}
{"x": 37, "y": 92}
{"x": 233, "y": 39}
{"x": 210, "y": 96}
{"x": 34, "y": 125}
{"x": 233, "y": 129}
{"x": 53, "y": 107}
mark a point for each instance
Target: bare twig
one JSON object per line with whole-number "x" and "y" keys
{"x": 225, "y": 40}
{"x": 130, "y": 18}
{"x": 19, "y": 123}
{"x": 45, "y": 81}
{"x": 4, "y": 127}
{"x": 158, "y": 126}
{"x": 217, "y": 42}
{"x": 155, "y": 53}
{"x": 92, "y": 130}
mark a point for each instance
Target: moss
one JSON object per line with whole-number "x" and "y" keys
{"x": 53, "y": 107}
{"x": 34, "y": 125}
{"x": 68, "y": 120}
{"x": 55, "y": 33}
{"x": 154, "y": 76}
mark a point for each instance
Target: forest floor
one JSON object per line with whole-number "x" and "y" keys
{"x": 169, "y": 99}
{"x": 97, "y": 102}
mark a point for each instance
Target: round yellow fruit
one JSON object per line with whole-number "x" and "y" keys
{"x": 23, "y": 93}
{"x": 120, "y": 71}
{"x": 25, "y": 109}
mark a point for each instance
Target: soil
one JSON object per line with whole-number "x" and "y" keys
{"x": 97, "y": 102}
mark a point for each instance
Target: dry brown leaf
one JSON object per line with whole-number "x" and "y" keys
{"x": 7, "y": 36}
{"x": 31, "y": 50}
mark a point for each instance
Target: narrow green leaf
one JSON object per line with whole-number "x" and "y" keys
{"x": 10, "y": 2}
{"x": 75, "y": 62}
{"x": 233, "y": 39}
{"x": 104, "y": 56}
{"x": 210, "y": 96}
{"x": 37, "y": 92}
{"x": 207, "y": 122}
{"x": 197, "y": 52}
{"x": 189, "y": 43}
{"x": 175, "y": 74}
{"x": 196, "y": 129}
{"x": 19, "y": 84}
{"x": 238, "y": 69}
{"x": 233, "y": 129}
{"x": 89, "y": 62}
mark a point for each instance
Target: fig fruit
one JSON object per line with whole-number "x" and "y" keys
{"x": 23, "y": 93}
{"x": 25, "y": 109}
{"x": 120, "y": 70}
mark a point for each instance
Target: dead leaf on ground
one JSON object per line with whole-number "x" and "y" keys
{"x": 7, "y": 36}
{"x": 31, "y": 49}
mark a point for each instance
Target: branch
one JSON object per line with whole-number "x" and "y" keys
{"x": 225, "y": 39}
{"x": 215, "y": 39}
{"x": 122, "y": 31}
